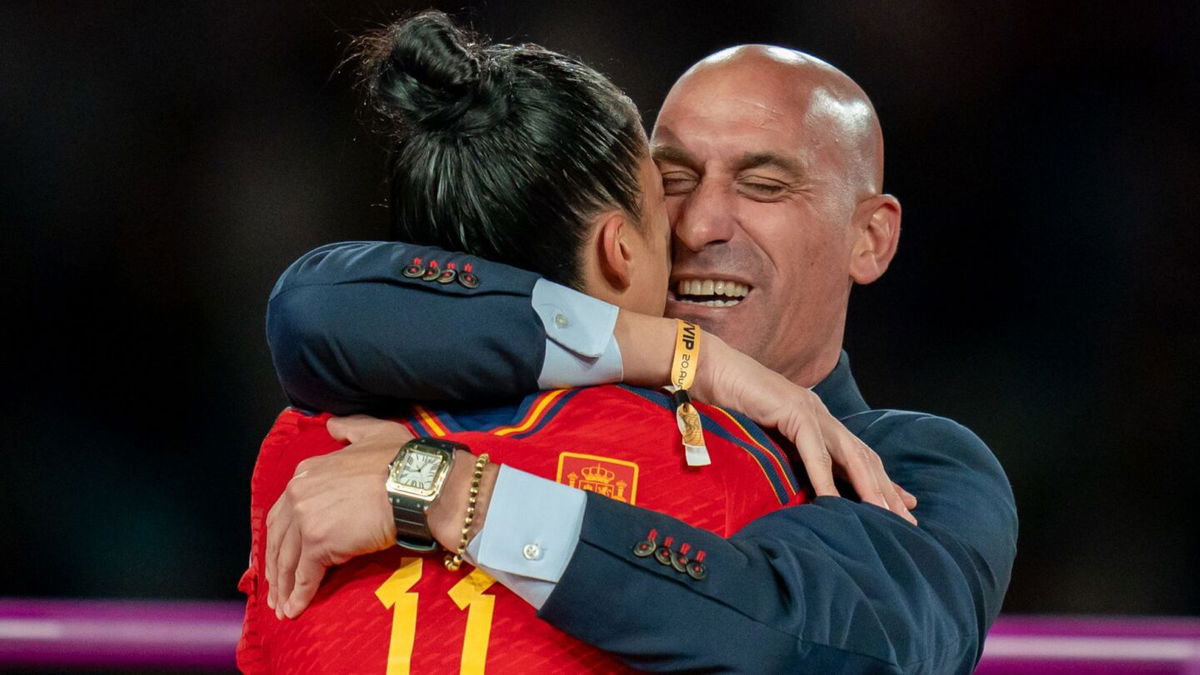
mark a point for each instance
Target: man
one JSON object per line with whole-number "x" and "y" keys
{"x": 772, "y": 163}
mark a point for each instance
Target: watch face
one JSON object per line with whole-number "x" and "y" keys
{"x": 419, "y": 470}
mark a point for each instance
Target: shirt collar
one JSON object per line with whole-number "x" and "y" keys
{"x": 839, "y": 392}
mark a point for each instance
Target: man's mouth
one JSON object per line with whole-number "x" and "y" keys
{"x": 711, "y": 292}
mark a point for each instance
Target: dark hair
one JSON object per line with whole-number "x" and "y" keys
{"x": 505, "y": 152}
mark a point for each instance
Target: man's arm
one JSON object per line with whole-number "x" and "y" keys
{"x": 834, "y": 586}
{"x": 352, "y": 328}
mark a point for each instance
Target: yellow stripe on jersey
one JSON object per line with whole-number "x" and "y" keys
{"x": 534, "y": 415}
{"x": 431, "y": 422}
{"x": 791, "y": 489}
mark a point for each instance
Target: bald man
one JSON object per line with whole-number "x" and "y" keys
{"x": 772, "y": 164}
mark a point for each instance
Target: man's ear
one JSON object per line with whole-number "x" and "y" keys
{"x": 613, "y": 254}
{"x": 877, "y": 228}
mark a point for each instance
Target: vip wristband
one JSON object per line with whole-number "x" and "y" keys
{"x": 683, "y": 374}
{"x": 687, "y": 349}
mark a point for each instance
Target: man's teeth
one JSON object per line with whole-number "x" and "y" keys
{"x": 712, "y": 292}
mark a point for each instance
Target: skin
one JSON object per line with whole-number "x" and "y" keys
{"x": 772, "y": 162}
{"x": 771, "y": 167}
{"x": 628, "y": 264}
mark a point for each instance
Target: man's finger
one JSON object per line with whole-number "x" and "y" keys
{"x": 355, "y": 428}
{"x": 341, "y": 428}
{"x": 910, "y": 500}
{"x": 358, "y": 428}
{"x": 285, "y": 570}
{"x": 309, "y": 573}
{"x": 278, "y": 521}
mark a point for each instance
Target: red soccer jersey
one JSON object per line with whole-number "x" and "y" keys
{"x": 396, "y": 611}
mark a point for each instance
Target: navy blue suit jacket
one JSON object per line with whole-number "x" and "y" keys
{"x": 833, "y": 586}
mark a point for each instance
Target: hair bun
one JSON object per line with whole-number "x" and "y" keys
{"x": 427, "y": 73}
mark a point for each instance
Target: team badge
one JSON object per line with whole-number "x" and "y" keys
{"x": 613, "y": 478}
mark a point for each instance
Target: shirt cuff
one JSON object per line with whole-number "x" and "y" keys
{"x": 580, "y": 346}
{"x": 524, "y": 553}
{"x": 533, "y": 591}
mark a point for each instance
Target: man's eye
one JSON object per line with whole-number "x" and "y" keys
{"x": 762, "y": 190}
{"x": 676, "y": 185}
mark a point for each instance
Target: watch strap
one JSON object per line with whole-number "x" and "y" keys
{"x": 412, "y": 528}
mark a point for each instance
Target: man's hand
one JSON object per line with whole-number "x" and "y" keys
{"x": 334, "y": 508}
{"x": 731, "y": 379}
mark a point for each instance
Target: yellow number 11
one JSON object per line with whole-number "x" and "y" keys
{"x": 466, "y": 594}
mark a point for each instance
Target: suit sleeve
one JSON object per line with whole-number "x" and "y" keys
{"x": 833, "y": 586}
{"x": 350, "y": 332}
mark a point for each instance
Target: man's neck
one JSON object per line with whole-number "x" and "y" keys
{"x": 813, "y": 371}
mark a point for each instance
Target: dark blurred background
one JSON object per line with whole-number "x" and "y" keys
{"x": 163, "y": 162}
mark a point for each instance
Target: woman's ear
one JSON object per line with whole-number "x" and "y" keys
{"x": 614, "y": 257}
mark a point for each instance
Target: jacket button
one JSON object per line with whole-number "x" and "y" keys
{"x": 468, "y": 280}
{"x": 644, "y": 549}
{"x": 663, "y": 555}
{"x": 696, "y": 570}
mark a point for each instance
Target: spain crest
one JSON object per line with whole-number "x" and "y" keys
{"x": 613, "y": 478}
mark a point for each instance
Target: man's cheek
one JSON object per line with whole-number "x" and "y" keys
{"x": 673, "y": 203}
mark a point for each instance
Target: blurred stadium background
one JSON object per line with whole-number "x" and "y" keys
{"x": 164, "y": 162}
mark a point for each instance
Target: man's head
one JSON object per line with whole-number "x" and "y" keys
{"x": 520, "y": 155}
{"x": 772, "y": 164}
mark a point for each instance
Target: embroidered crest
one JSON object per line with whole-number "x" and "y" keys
{"x": 613, "y": 478}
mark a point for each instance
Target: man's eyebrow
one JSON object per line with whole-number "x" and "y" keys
{"x": 670, "y": 153}
{"x": 753, "y": 160}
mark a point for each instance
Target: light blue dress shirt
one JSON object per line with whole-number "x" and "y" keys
{"x": 529, "y": 555}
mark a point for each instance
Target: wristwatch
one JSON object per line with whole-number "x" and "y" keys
{"x": 415, "y": 479}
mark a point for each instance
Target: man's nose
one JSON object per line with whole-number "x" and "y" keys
{"x": 706, "y": 217}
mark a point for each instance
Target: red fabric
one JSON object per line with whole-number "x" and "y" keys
{"x": 347, "y": 628}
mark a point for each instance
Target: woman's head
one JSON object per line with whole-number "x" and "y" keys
{"x": 508, "y": 152}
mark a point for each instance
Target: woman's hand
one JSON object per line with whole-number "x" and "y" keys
{"x": 729, "y": 378}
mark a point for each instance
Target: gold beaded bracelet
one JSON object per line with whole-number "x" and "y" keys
{"x": 454, "y": 561}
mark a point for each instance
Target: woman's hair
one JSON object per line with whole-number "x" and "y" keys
{"x": 505, "y": 152}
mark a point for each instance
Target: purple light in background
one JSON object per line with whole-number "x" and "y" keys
{"x": 119, "y": 634}
{"x": 203, "y": 635}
